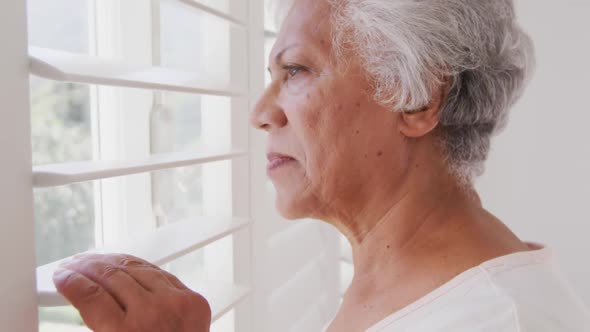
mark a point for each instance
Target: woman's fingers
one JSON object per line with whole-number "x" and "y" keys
{"x": 147, "y": 274}
{"x": 120, "y": 285}
{"x": 86, "y": 295}
{"x": 125, "y": 293}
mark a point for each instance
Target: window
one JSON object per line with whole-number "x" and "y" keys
{"x": 133, "y": 116}
{"x": 61, "y": 131}
{"x": 90, "y": 123}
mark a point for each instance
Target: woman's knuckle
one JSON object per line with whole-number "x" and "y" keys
{"x": 90, "y": 293}
{"x": 122, "y": 260}
{"x": 126, "y": 261}
{"x": 109, "y": 272}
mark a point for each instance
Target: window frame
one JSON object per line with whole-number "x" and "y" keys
{"x": 17, "y": 286}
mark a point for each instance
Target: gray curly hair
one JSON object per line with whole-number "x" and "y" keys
{"x": 411, "y": 48}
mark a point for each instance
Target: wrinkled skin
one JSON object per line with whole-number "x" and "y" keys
{"x": 120, "y": 293}
{"x": 377, "y": 175}
{"x": 321, "y": 113}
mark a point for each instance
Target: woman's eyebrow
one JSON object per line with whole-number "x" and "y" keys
{"x": 282, "y": 52}
{"x": 279, "y": 55}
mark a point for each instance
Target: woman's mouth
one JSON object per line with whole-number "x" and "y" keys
{"x": 276, "y": 161}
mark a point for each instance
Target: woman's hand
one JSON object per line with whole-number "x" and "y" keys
{"x": 124, "y": 293}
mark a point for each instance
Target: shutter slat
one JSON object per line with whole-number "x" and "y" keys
{"x": 285, "y": 247}
{"x": 290, "y": 301}
{"x": 160, "y": 247}
{"x": 78, "y": 68}
{"x": 313, "y": 317}
{"x": 221, "y": 296}
{"x": 215, "y": 12}
{"x": 53, "y": 175}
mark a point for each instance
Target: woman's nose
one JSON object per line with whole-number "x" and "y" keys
{"x": 267, "y": 114}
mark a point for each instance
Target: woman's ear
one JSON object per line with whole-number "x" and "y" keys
{"x": 421, "y": 122}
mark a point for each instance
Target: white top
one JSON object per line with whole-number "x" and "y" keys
{"x": 520, "y": 292}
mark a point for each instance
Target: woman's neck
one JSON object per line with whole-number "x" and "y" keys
{"x": 420, "y": 218}
{"x": 429, "y": 231}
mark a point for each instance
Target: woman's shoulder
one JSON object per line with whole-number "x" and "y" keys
{"x": 518, "y": 292}
{"x": 542, "y": 298}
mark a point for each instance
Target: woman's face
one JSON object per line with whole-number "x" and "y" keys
{"x": 330, "y": 146}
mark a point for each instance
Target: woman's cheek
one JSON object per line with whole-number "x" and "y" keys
{"x": 297, "y": 85}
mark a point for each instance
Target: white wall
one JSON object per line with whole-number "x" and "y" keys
{"x": 538, "y": 175}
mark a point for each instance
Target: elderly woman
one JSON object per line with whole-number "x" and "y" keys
{"x": 379, "y": 116}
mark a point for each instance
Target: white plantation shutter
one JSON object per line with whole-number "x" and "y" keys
{"x": 168, "y": 242}
{"x": 284, "y": 274}
{"x": 303, "y": 285}
{"x": 69, "y": 67}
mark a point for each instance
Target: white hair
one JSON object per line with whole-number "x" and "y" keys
{"x": 412, "y": 48}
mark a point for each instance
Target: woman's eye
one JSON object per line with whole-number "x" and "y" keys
{"x": 292, "y": 71}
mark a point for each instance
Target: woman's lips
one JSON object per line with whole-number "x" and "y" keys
{"x": 276, "y": 160}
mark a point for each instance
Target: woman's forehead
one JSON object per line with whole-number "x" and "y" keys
{"x": 311, "y": 9}
{"x": 306, "y": 25}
